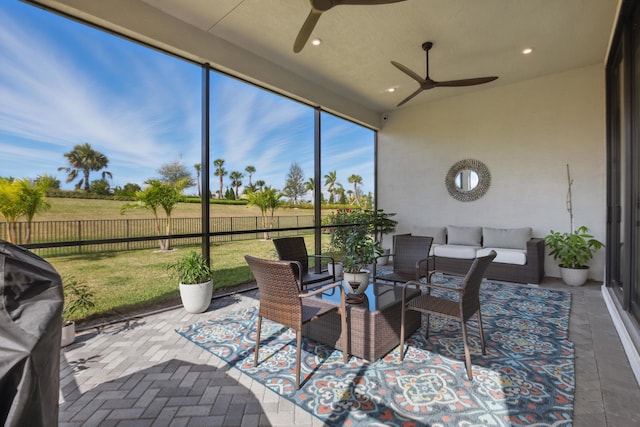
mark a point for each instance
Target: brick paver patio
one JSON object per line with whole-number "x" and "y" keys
{"x": 141, "y": 373}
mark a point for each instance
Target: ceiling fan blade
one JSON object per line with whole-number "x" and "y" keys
{"x": 408, "y": 72}
{"x": 409, "y": 98}
{"x": 306, "y": 30}
{"x": 465, "y": 82}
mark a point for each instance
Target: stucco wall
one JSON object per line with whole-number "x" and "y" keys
{"x": 526, "y": 134}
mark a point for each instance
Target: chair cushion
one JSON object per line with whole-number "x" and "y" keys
{"x": 509, "y": 238}
{"x": 456, "y": 251}
{"x": 470, "y": 236}
{"x": 506, "y": 256}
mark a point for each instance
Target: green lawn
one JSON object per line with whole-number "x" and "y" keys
{"x": 126, "y": 281}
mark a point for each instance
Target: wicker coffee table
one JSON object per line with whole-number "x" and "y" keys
{"x": 373, "y": 325}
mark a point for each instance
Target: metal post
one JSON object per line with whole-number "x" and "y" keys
{"x": 204, "y": 158}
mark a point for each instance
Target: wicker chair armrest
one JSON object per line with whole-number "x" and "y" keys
{"x": 329, "y": 257}
{"x": 322, "y": 290}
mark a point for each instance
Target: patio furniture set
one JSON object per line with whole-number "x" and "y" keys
{"x": 371, "y": 325}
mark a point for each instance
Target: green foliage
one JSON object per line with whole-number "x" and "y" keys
{"x": 191, "y": 269}
{"x": 174, "y": 172}
{"x": 100, "y": 186}
{"x": 78, "y": 298}
{"x": 82, "y": 160}
{"x": 128, "y": 192}
{"x": 229, "y": 194}
{"x": 22, "y": 198}
{"x": 294, "y": 187}
{"x": 353, "y": 233}
{"x": 572, "y": 250}
{"x": 382, "y": 223}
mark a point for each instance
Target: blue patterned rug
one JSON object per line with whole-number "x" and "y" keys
{"x": 526, "y": 378}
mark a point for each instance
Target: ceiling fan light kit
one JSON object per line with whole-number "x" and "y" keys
{"x": 427, "y": 83}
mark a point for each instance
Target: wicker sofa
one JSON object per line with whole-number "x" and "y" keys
{"x": 520, "y": 257}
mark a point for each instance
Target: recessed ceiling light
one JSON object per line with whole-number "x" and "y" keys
{"x": 391, "y": 89}
{"x": 316, "y": 42}
{"x": 527, "y": 51}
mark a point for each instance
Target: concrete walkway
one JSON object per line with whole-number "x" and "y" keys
{"x": 142, "y": 373}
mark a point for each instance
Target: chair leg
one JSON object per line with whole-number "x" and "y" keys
{"x": 484, "y": 349}
{"x": 345, "y": 338}
{"x": 402, "y": 319}
{"x": 427, "y": 327}
{"x": 467, "y": 353}
{"x": 298, "y": 355}
{"x": 258, "y": 326}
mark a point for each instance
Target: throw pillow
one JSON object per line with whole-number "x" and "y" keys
{"x": 508, "y": 238}
{"x": 470, "y": 236}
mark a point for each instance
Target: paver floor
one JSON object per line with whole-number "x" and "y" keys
{"x": 140, "y": 372}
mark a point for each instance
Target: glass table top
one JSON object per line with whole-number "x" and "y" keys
{"x": 378, "y": 296}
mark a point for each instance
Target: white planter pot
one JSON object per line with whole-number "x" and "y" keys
{"x": 196, "y": 298}
{"x": 384, "y": 258}
{"x": 335, "y": 269}
{"x": 574, "y": 276}
{"x": 362, "y": 278}
{"x": 68, "y": 333}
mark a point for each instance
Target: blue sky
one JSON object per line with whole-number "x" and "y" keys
{"x": 63, "y": 83}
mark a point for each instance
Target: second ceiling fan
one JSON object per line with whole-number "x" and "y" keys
{"x": 427, "y": 83}
{"x": 318, "y": 7}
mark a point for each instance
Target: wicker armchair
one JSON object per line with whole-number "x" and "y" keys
{"x": 410, "y": 256}
{"x": 294, "y": 249}
{"x": 281, "y": 302}
{"x": 467, "y": 304}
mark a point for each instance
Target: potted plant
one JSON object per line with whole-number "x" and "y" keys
{"x": 195, "y": 281}
{"x": 78, "y": 298}
{"x": 573, "y": 251}
{"x": 361, "y": 250}
{"x": 383, "y": 225}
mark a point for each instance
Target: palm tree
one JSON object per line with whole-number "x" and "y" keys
{"x": 198, "y": 168}
{"x": 159, "y": 195}
{"x": 235, "y": 177}
{"x": 355, "y": 180}
{"x": 33, "y": 199}
{"x": 83, "y": 158}
{"x": 268, "y": 201}
{"x": 310, "y": 185}
{"x": 250, "y": 170}
{"x": 260, "y": 184}
{"x": 219, "y": 172}
{"x": 330, "y": 181}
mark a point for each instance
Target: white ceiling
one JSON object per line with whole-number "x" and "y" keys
{"x": 472, "y": 38}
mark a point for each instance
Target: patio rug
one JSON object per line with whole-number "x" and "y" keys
{"x": 526, "y": 378}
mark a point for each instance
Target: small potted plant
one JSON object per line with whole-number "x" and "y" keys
{"x": 195, "y": 281}
{"x": 573, "y": 251}
{"x": 361, "y": 250}
{"x": 78, "y": 298}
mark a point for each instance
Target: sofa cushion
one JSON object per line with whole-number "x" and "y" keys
{"x": 456, "y": 251}
{"x": 508, "y": 238}
{"x": 506, "y": 256}
{"x": 439, "y": 234}
{"x": 470, "y": 236}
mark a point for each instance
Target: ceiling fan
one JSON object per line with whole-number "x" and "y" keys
{"x": 427, "y": 83}
{"x": 318, "y": 7}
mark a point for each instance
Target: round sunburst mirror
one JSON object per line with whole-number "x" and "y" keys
{"x": 468, "y": 180}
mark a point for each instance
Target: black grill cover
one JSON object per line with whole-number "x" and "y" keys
{"x": 31, "y": 301}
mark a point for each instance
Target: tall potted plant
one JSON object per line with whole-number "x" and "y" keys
{"x": 573, "y": 251}
{"x": 195, "y": 281}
